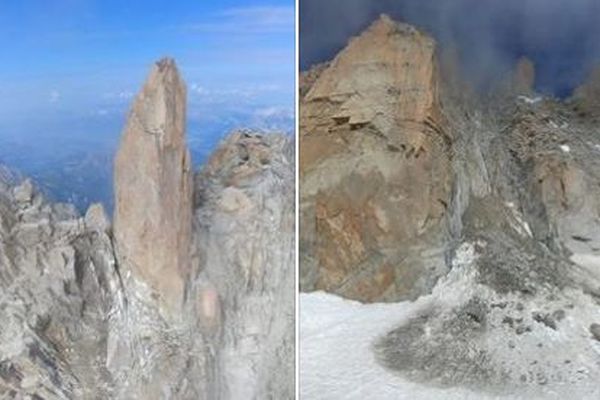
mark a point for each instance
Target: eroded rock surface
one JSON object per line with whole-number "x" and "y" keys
{"x": 153, "y": 188}
{"x": 513, "y": 314}
{"x": 245, "y": 223}
{"x": 375, "y": 168}
{"x": 176, "y": 300}
{"x": 513, "y": 302}
{"x": 587, "y": 97}
{"x": 58, "y": 281}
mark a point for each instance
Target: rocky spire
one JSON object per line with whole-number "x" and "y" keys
{"x": 153, "y": 188}
{"x": 372, "y": 120}
{"x": 524, "y": 76}
{"x": 587, "y": 96}
{"x": 400, "y": 63}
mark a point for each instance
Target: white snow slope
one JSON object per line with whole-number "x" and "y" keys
{"x": 337, "y": 361}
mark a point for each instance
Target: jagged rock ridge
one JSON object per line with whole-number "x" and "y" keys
{"x": 91, "y": 310}
{"x": 511, "y": 259}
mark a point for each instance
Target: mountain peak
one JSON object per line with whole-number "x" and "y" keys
{"x": 386, "y": 26}
{"x": 153, "y": 187}
{"x": 384, "y": 21}
{"x": 166, "y": 63}
{"x": 375, "y": 105}
{"x": 524, "y": 75}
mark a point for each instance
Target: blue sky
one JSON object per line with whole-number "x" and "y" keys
{"x": 72, "y": 67}
{"x": 559, "y": 36}
{"x": 68, "y": 59}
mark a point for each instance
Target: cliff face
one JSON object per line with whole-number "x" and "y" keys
{"x": 375, "y": 167}
{"x": 175, "y": 300}
{"x": 510, "y": 257}
{"x": 245, "y": 224}
{"x": 153, "y": 188}
{"x": 586, "y": 97}
{"x": 58, "y": 282}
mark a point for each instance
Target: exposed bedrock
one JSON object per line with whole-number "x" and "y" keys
{"x": 494, "y": 224}
{"x": 375, "y": 168}
{"x": 153, "y": 188}
{"x": 178, "y": 299}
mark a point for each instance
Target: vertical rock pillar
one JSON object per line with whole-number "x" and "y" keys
{"x": 153, "y": 188}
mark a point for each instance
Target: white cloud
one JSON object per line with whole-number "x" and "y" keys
{"x": 122, "y": 95}
{"x": 243, "y": 93}
{"x": 250, "y": 20}
{"x": 273, "y": 118}
{"x": 199, "y": 90}
{"x": 125, "y": 95}
{"x": 274, "y": 112}
{"x": 54, "y": 96}
{"x": 265, "y": 16}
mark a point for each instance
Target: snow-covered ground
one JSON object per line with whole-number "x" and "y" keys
{"x": 337, "y": 361}
{"x": 529, "y": 100}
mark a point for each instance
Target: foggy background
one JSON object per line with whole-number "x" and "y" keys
{"x": 561, "y": 37}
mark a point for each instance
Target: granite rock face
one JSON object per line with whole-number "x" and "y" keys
{"x": 513, "y": 315}
{"x": 245, "y": 224}
{"x": 375, "y": 168}
{"x": 153, "y": 187}
{"x": 178, "y": 299}
{"x": 513, "y": 307}
{"x": 58, "y": 284}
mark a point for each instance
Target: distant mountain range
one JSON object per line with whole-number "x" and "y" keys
{"x": 72, "y": 167}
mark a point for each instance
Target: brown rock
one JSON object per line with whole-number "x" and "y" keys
{"x": 374, "y": 164}
{"x": 587, "y": 96}
{"x": 153, "y": 187}
{"x": 374, "y": 287}
{"x": 524, "y": 76}
{"x": 308, "y": 78}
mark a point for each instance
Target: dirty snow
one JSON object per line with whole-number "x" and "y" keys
{"x": 337, "y": 361}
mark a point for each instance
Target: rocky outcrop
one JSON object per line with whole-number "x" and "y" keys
{"x": 514, "y": 309}
{"x": 308, "y": 78}
{"x": 58, "y": 283}
{"x": 153, "y": 188}
{"x": 523, "y": 76}
{"x": 586, "y": 99}
{"x": 245, "y": 223}
{"x": 513, "y": 314}
{"x": 375, "y": 168}
{"x": 178, "y": 299}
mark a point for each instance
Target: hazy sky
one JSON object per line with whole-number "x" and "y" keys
{"x": 71, "y": 59}
{"x": 71, "y": 68}
{"x": 561, "y": 36}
